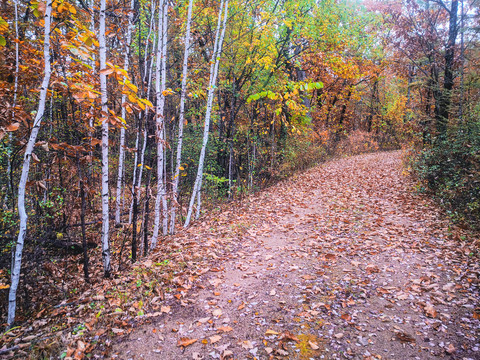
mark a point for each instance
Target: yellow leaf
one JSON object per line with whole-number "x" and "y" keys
{"x": 271, "y": 332}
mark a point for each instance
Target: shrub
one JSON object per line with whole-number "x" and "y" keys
{"x": 450, "y": 168}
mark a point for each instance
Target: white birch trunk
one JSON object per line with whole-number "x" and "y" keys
{"x": 92, "y": 61}
{"x": 159, "y": 88}
{"x": 217, "y": 50}
{"x": 176, "y": 177}
{"x": 15, "y": 94}
{"x": 103, "y": 90}
{"x": 121, "y": 152}
{"x": 164, "y": 82}
{"x": 17, "y": 261}
{"x": 142, "y": 154}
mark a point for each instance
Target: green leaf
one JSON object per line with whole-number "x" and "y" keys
{"x": 3, "y": 42}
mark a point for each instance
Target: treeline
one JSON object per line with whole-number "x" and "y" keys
{"x": 120, "y": 118}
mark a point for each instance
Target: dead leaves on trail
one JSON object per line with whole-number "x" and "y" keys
{"x": 341, "y": 256}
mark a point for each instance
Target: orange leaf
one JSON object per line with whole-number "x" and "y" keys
{"x": 13, "y": 127}
{"x": 225, "y": 329}
{"x": 106, "y": 71}
{"x": 430, "y": 311}
{"x": 186, "y": 342}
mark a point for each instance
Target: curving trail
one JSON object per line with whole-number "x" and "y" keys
{"x": 343, "y": 261}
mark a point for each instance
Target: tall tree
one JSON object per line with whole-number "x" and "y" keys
{"x": 121, "y": 151}
{"x": 215, "y": 61}
{"x": 181, "y": 118}
{"x": 160, "y": 85}
{"x": 17, "y": 262}
{"x": 104, "y": 120}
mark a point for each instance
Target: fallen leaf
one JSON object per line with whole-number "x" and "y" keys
{"x": 165, "y": 309}
{"x": 372, "y": 268}
{"x": 215, "y": 338}
{"x": 330, "y": 257}
{"x": 247, "y": 345}
{"x": 450, "y": 349}
{"x": 404, "y": 337}
{"x": 281, "y": 352}
{"x": 476, "y": 314}
{"x": 430, "y": 310}
{"x": 186, "y": 341}
{"x": 313, "y": 345}
{"x": 225, "y": 329}
{"x": 227, "y": 353}
{"x": 271, "y": 332}
{"x": 217, "y": 312}
{"x": 346, "y": 317}
{"x": 289, "y": 336}
{"x": 215, "y": 282}
{"x": 13, "y": 127}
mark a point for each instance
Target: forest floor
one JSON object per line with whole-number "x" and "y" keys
{"x": 342, "y": 261}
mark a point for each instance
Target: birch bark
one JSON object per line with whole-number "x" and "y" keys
{"x": 164, "y": 82}
{"x": 121, "y": 151}
{"x": 15, "y": 94}
{"x": 176, "y": 177}
{"x": 160, "y": 77}
{"x": 217, "y": 50}
{"x": 104, "y": 99}
{"x": 17, "y": 261}
{"x": 142, "y": 116}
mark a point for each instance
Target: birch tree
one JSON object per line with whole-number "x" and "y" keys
{"x": 217, "y": 50}
{"x": 104, "y": 99}
{"x": 147, "y": 73}
{"x": 15, "y": 94}
{"x": 17, "y": 261}
{"x": 160, "y": 79}
{"x": 181, "y": 120}
{"x": 121, "y": 152}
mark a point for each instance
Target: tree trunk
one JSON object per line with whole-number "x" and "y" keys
{"x": 217, "y": 50}
{"x": 160, "y": 120}
{"x": 104, "y": 99}
{"x": 181, "y": 120}
{"x": 445, "y": 96}
{"x": 17, "y": 261}
{"x": 121, "y": 151}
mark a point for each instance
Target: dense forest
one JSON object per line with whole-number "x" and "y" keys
{"x": 122, "y": 122}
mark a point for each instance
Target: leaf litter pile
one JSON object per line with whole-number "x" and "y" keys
{"x": 342, "y": 261}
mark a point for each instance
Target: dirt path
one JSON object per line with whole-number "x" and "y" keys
{"x": 344, "y": 261}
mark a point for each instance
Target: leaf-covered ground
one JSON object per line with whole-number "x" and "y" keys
{"x": 343, "y": 261}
